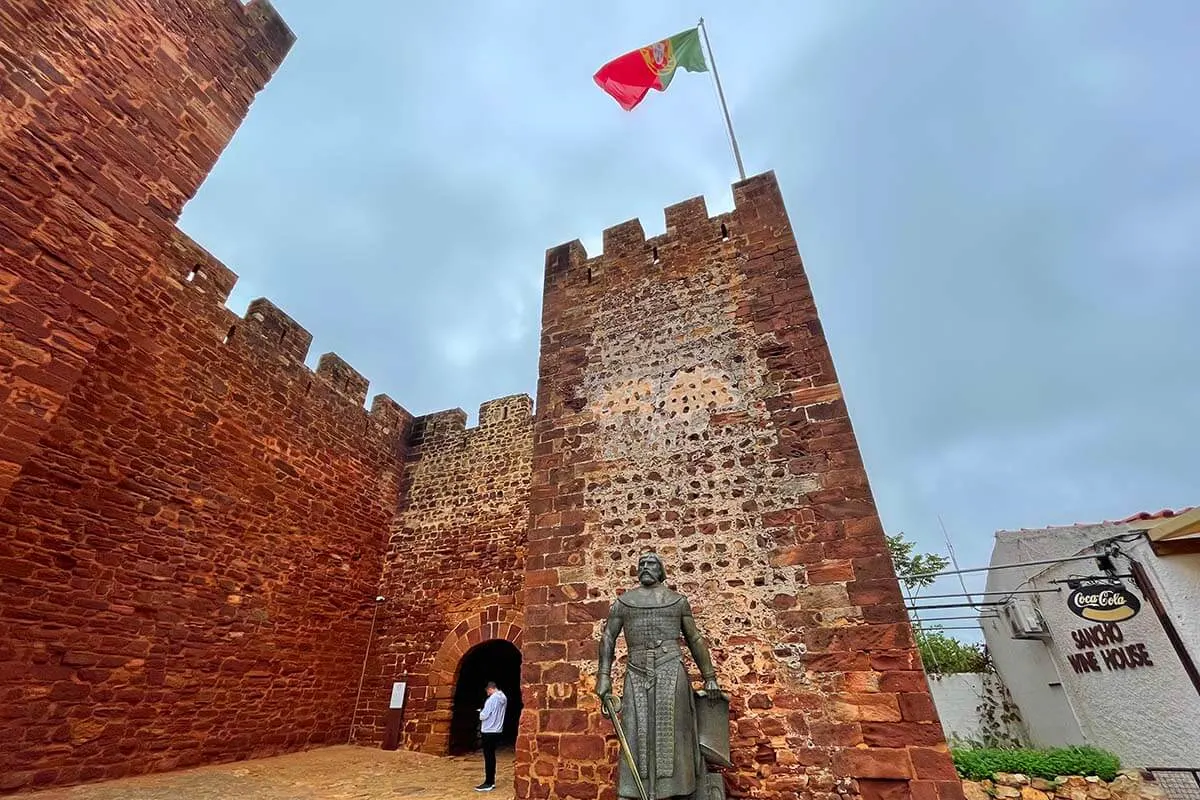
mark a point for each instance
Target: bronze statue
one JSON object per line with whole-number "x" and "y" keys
{"x": 664, "y": 744}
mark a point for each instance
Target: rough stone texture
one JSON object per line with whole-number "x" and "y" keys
{"x": 111, "y": 114}
{"x": 191, "y": 556}
{"x": 455, "y": 563}
{"x": 687, "y": 400}
{"x": 1129, "y": 785}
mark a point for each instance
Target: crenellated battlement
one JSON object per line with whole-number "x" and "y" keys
{"x": 271, "y": 334}
{"x": 276, "y": 329}
{"x": 200, "y": 268}
{"x": 438, "y": 426}
{"x": 275, "y": 37}
{"x": 271, "y": 331}
{"x": 343, "y": 378}
{"x": 441, "y": 426}
{"x": 514, "y": 407}
{"x": 389, "y": 414}
{"x": 628, "y": 253}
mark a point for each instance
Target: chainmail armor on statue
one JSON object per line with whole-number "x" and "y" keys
{"x": 657, "y": 630}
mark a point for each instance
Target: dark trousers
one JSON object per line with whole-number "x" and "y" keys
{"x": 490, "y": 740}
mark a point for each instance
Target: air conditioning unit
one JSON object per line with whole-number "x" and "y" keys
{"x": 1025, "y": 620}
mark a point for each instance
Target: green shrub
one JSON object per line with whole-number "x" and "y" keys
{"x": 980, "y": 763}
{"x": 945, "y": 655}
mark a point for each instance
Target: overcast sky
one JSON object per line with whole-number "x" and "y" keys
{"x": 998, "y": 205}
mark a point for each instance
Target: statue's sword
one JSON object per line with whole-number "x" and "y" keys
{"x": 611, "y": 712}
{"x": 652, "y": 722}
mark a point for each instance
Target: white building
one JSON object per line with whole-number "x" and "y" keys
{"x": 1092, "y": 664}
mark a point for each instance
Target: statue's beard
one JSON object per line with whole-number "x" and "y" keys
{"x": 648, "y": 578}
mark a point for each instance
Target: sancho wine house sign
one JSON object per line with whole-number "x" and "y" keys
{"x": 1102, "y": 647}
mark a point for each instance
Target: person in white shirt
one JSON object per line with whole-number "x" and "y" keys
{"x": 491, "y": 726}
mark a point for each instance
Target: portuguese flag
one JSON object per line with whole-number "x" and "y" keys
{"x": 629, "y": 78}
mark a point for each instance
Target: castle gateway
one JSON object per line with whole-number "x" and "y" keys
{"x": 196, "y": 526}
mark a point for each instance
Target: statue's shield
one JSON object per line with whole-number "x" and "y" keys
{"x": 712, "y": 724}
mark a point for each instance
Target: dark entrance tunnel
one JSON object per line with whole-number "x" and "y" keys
{"x": 495, "y": 660}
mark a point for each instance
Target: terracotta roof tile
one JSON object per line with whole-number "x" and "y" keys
{"x": 1165, "y": 513}
{"x": 1141, "y": 516}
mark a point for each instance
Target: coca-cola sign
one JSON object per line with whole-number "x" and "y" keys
{"x": 1103, "y": 601}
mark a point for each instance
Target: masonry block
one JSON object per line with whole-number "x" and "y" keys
{"x": 564, "y": 261}
{"x": 688, "y": 217}
{"x": 514, "y": 407}
{"x": 624, "y": 239}
{"x": 438, "y": 426}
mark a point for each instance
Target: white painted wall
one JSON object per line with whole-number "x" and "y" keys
{"x": 1027, "y": 667}
{"x": 1028, "y": 670}
{"x": 1149, "y": 716}
{"x": 1179, "y": 580}
{"x": 958, "y": 699}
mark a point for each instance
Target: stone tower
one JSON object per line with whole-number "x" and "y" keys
{"x": 687, "y": 402}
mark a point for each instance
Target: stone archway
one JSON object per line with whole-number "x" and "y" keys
{"x": 489, "y": 624}
{"x": 497, "y": 660}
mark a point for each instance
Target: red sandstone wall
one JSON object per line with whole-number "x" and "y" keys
{"x": 111, "y": 115}
{"x": 687, "y": 401}
{"x": 190, "y": 559}
{"x": 455, "y": 563}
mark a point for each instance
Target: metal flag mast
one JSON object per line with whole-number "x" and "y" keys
{"x": 737, "y": 155}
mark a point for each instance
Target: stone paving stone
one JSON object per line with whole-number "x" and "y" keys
{"x": 331, "y": 773}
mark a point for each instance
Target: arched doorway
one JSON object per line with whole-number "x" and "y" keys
{"x": 435, "y": 705}
{"x": 494, "y": 660}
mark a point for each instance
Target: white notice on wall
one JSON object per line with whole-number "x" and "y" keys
{"x": 397, "y": 694}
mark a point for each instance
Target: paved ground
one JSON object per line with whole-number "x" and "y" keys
{"x": 332, "y": 773}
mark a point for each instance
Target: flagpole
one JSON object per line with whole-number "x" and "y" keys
{"x": 724, "y": 108}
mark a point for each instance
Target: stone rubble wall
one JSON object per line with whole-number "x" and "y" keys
{"x": 455, "y": 563}
{"x": 687, "y": 400}
{"x": 1128, "y": 785}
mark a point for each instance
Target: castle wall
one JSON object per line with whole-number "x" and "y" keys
{"x": 192, "y": 522}
{"x": 111, "y": 115}
{"x": 190, "y": 560}
{"x": 454, "y": 571}
{"x": 687, "y": 402}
